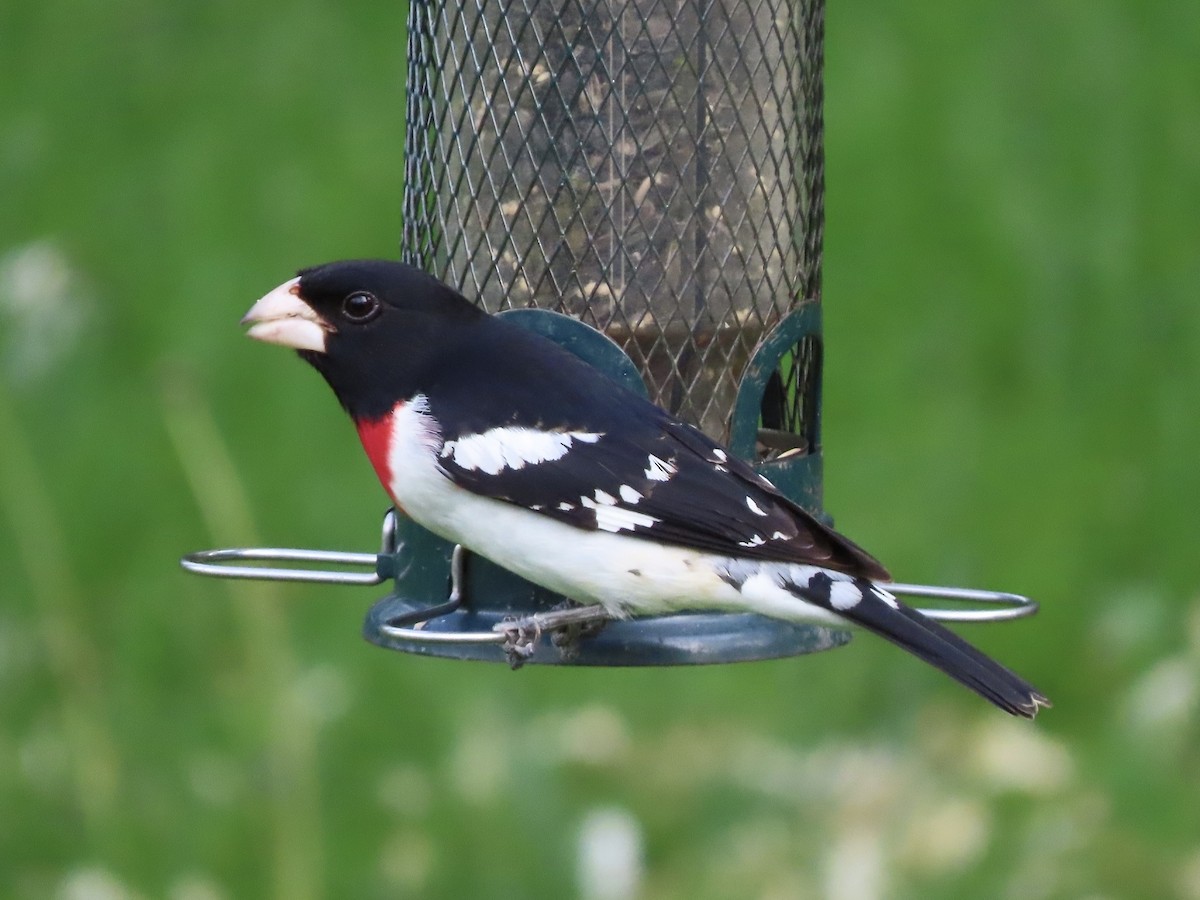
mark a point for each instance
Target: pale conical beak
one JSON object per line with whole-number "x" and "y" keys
{"x": 281, "y": 317}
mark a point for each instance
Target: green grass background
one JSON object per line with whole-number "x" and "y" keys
{"x": 1012, "y": 386}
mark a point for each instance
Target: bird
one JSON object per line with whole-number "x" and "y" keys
{"x": 499, "y": 440}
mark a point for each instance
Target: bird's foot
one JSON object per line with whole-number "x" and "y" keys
{"x": 521, "y": 636}
{"x": 568, "y": 625}
{"x": 583, "y": 622}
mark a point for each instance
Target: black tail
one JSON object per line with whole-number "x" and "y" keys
{"x": 937, "y": 645}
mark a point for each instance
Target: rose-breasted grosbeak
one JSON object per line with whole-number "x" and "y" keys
{"x": 498, "y": 439}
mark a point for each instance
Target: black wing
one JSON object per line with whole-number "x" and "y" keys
{"x": 621, "y": 464}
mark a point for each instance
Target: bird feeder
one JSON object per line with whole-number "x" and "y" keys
{"x": 643, "y": 183}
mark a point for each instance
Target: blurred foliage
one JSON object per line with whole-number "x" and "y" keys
{"x": 1012, "y": 377}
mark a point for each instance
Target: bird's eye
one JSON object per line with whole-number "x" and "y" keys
{"x": 360, "y": 307}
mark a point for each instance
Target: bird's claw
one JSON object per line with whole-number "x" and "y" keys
{"x": 567, "y": 635}
{"x": 521, "y": 636}
{"x": 566, "y": 625}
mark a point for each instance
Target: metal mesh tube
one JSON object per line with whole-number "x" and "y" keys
{"x": 652, "y": 167}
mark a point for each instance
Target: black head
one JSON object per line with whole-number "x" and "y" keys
{"x": 373, "y": 328}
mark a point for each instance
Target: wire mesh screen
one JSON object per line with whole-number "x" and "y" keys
{"x": 652, "y": 167}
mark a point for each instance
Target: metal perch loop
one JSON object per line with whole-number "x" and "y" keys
{"x": 216, "y": 563}
{"x": 994, "y": 606}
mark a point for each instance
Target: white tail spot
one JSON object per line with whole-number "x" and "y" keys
{"x": 886, "y": 596}
{"x": 844, "y": 595}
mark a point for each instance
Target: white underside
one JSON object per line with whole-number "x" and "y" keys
{"x": 627, "y": 575}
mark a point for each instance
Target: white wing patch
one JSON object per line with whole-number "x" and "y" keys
{"x": 512, "y": 447}
{"x": 616, "y": 518}
{"x": 629, "y": 495}
{"x": 754, "y": 507}
{"x": 660, "y": 469}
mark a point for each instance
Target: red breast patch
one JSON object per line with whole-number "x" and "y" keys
{"x": 376, "y": 437}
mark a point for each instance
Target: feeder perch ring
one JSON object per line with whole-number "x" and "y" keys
{"x": 215, "y": 563}
{"x": 393, "y": 625}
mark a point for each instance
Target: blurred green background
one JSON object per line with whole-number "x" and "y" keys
{"x": 1012, "y": 383}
